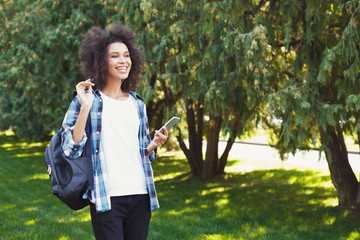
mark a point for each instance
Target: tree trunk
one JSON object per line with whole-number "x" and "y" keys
{"x": 194, "y": 152}
{"x": 211, "y": 159}
{"x": 193, "y": 167}
{"x": 342, "y": 175}
{"x": 223, "y": 159}
{"x": 200, "y": 131}
{"x": 357, "y": 118}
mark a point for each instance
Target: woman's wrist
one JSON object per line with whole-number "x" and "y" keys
{"x": 151, "y": 147}
{"x": 154, "y": 143}
{"x": 85, "y": 108}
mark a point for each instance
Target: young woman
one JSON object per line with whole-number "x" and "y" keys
{"x": 123, "y": 194}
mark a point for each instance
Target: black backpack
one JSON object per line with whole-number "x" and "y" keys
{"x": 70, "y": 178}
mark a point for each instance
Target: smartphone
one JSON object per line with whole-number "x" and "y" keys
{"x": 170, "y": 123}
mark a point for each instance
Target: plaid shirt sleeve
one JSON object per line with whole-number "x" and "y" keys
{"x": 152, "y": 155}
{"x": 71, "y": 148}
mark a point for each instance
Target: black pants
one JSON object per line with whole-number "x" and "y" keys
{"x": 128, "y": 219}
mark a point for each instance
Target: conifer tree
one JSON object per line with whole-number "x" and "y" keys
{"x": 207, "y": 62}
{"x": 316, "y": 55}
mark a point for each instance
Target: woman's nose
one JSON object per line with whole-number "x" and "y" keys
{"x": 121, "y": 59}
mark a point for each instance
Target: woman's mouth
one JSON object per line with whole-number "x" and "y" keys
{"x": 122, "y": 69}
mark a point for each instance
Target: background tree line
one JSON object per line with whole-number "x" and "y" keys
{"x": 223, "y": 66}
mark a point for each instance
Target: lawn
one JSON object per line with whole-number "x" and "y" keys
{"x": 261, "y": 204}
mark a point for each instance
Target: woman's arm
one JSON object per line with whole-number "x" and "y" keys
{"x": 79, "y": 127}
{"x": 84, "y": 91}
{"x": 71, "y": 148}
{"x": 73, "y": 135}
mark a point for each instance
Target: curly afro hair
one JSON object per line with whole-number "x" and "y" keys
{"x": 93, "y": 54}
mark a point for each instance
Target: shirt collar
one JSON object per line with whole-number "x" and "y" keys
{"x": 135, "y": 95}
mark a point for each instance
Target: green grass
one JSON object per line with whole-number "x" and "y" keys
{"x": 262, "y": 204}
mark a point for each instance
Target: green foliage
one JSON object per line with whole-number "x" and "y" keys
{"x": 39, "y": 51}
{"x": 320, "y": 83}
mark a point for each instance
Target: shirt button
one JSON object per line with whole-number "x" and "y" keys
{"x": 98, "y": 132}
{"x": 97, "y": 151}
{"x": 98, "y": 114}
{"x": 75, "y": 149}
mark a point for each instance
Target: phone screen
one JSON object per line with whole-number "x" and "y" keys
{"x": 171, "y": 123}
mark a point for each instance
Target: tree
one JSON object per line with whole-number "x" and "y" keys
{"x": 316, "y": 54}
{"x": 209, "y": 63}
{"x": 230, "y": 82}
{"x": 39, "y": 67}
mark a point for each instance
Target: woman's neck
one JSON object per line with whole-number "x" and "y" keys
{"x": 114, "y": 90}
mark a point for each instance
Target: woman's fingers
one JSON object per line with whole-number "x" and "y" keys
{"x": 161, "y": 138}
{"x": 88, "y": 81}
{"x": 164, "y": 132}
{"x": 84, "y": 91}
{"x": 84, "y": 84}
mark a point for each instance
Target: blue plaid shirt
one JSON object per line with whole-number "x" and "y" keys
{"x": 73, "y": 150}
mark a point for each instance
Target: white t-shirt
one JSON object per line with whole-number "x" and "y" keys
{"x": 120, "y": 146}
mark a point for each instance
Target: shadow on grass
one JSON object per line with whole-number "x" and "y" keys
{"x": 266, "y": 204}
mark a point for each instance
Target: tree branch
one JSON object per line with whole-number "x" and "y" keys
{"x": 292, "y": 43}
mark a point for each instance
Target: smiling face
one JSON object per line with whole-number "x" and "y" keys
{"x": 119, "y": 62}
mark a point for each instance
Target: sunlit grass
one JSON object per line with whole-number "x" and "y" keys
{"x": 30, "y": 222}
{"x": 262, "y": 204}
{"x": 354, "y": 236}
{"x": 7, "y": 133}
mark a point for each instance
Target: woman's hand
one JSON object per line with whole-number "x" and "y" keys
{"x": 159, "y": 139}
{"x": 84, "y": 91}
{"x": 160, "y": 136}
